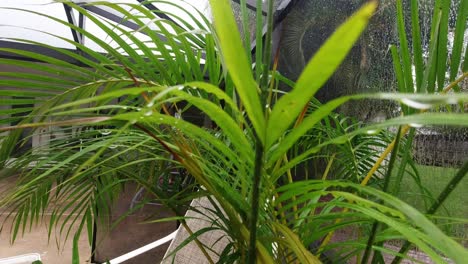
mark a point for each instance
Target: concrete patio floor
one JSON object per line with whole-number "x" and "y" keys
{"x": 130, "y": 234}
{"x": 36, "y": 242}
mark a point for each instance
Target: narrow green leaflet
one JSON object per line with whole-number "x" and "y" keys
{"x": 237, "y": 63}
{"x": 405, "y": 54}
{"x": 417, "y": 47}
{"x": 458, "y": 40}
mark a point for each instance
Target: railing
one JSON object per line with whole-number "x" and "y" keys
{"x": 21, "y": 259}
{"x": 143, "y": 249}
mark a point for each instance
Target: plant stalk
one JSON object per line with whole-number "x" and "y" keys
{"x": 259, "y": 148}
{"x": 375, "y": 225}
{"x": 404, "y": 161}
{"x": 255, "y": 201}
{"x": 179, "y": 159}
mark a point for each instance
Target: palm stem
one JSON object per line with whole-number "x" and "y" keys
{"x": 382, "y": 157}
{"x": 255, "y": 201}
{"x": 291, "y": 180}
{"x": 182, "y": 221}
{"x": 404, "y": 161}
{"x": 375, "y": 225}
{"x": 197, "y": 241}
{"x": 259, "y": 148}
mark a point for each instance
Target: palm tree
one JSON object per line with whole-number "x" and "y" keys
{"x": 120, "y": 114}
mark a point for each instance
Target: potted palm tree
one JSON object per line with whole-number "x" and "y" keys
{"x": 243, "y": 163}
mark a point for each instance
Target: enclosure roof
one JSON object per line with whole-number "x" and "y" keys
{"x": 25, "y": 23}
{"x": 31, "y": 20}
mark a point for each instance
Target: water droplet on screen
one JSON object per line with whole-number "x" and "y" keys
{"x": 372, "y": 132}
{"x": 105, "y": 132}
{"x": 415, "y": 125}
{"x": 415, "y": 104}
